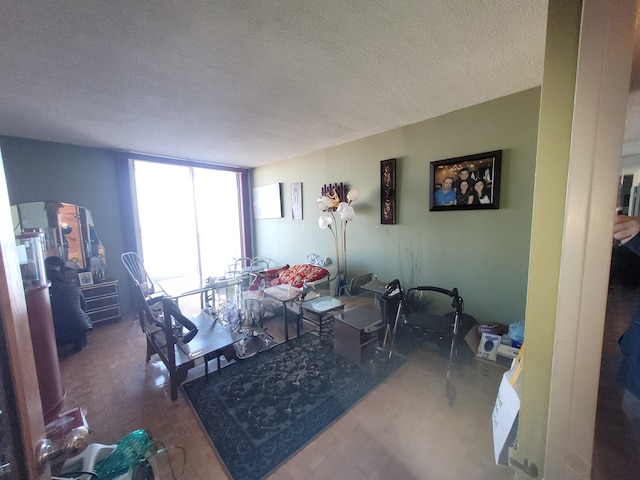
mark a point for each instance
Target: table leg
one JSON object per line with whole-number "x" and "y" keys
{"x": 286, "y": 322}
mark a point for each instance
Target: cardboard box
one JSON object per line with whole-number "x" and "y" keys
{"x": 488, "y": 347}
{"x": 473, "y": 339}
{"x": 508, "y": 351}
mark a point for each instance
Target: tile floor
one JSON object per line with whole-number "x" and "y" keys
{"x": 403, "y": 429}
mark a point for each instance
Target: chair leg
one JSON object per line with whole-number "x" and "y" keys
{"x": 140, "y": 318}
{"x": 173, "y": 382}
{"x": 150, "y": 350}
{"x": 176, "y": 377}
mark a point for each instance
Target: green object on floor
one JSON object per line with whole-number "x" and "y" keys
{"x": 130, "y": 451}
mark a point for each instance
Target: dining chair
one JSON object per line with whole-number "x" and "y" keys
{"x": 134, "y": 266}
{"x": 156, "y": 304}
{"x": 260, "y": 263}
{"x": 355, "y": 285}
{"x": 240, "y": 266}
{"x": 163, "y": 323}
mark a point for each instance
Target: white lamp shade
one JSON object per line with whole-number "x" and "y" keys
{"x": 353, "y": 195}
{"x": 347, "y": 213}
{"x": 323, "y": 203}
{"x": 324, "y": 222}
{"x": 341, "y": 206}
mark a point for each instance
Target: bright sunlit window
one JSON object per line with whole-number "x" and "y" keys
{"x": 189, "y": 219}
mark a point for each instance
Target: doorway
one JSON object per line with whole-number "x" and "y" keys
{"x": 615, "y": 445}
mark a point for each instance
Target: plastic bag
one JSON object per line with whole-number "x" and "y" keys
{"x": 516, "y": 333}
{"x": 130, "y": 451}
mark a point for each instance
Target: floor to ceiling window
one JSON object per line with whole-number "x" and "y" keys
{"x": 190, "y": 218}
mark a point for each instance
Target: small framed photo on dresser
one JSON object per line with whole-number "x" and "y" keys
{"x": 85, "y": 278}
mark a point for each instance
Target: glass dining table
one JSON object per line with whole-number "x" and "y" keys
{"x": 215, "y": 334}
{"x": 213, "y": 292}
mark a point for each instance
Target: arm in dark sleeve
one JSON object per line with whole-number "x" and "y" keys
{"x": 634, "y": 245}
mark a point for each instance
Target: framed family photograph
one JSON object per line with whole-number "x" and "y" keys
{"x": 471, "y": 182}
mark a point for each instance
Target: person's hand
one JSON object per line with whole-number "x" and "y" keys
{"x": 626, "y": 228}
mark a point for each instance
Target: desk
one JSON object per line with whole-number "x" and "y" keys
{"x": 375, "y": 286}
{"x": 285, "y": 293}
{"x": 379, "y": 288}
{"x": 355, "y": 333}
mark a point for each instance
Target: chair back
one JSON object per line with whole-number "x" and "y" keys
{"x": 149, "y": 306}
{"x": 240, "y": 266}
{"x": 357, "y": 282}
{"x": 143, "y": 290}
{"x": 134, "y": 266}
{"x": 260, "y": 263}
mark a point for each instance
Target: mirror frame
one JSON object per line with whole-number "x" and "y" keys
{"x": 69, "y": 230}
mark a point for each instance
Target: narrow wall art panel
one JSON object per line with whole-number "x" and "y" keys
{"x": 388, "y": 192}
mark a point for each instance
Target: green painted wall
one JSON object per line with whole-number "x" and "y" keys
{"x": 484, "y": 253}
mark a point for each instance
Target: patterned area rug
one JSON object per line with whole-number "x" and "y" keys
{"x": 260, "y": 411}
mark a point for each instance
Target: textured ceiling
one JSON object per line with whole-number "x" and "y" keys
{"x": 254, "y": 81}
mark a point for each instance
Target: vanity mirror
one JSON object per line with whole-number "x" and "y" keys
{"x": 69, "y": 230}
